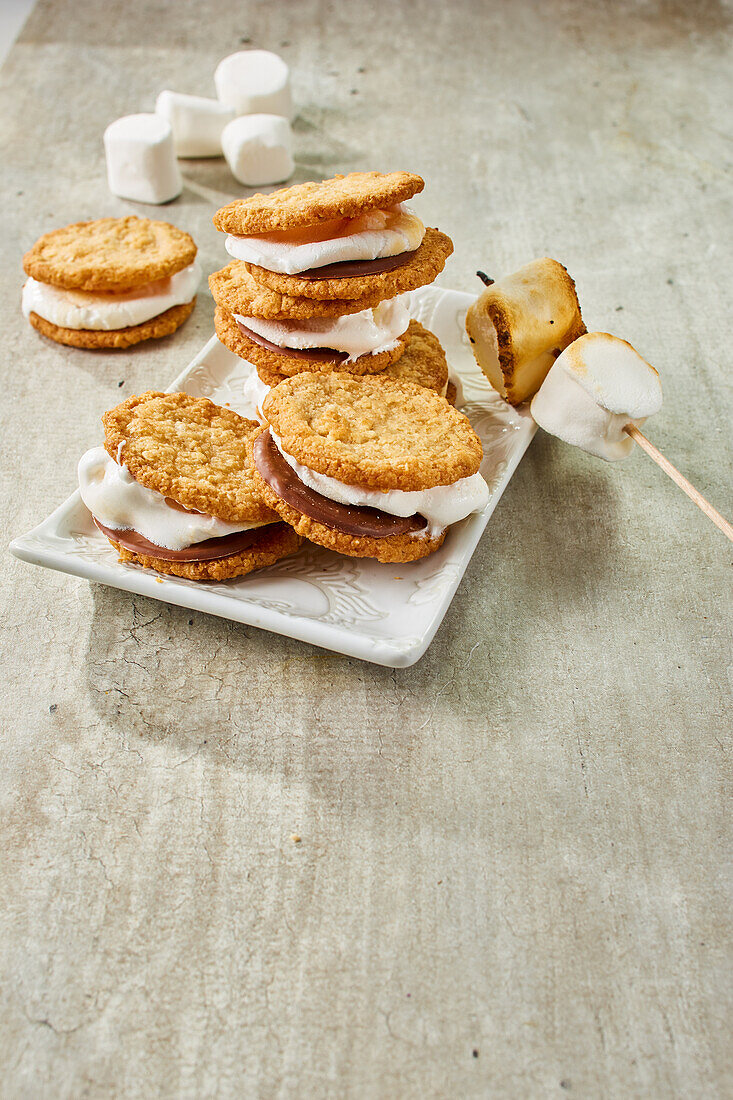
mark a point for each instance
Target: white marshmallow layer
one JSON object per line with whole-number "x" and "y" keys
{"x": 597, "y": 386}
{"x": 254, "y": 82}
{"x": 196, "y": 122}
{"x": 365, "y": 333}
{"x": 141, "y": 161}
{"x": 118, "y": 501}
{"x": 441, "y": 506}
{"x": 254, "y": 392}
{"x": 81, "y": 309}
{"x": 374, "y": 235}
{"x": 259, "y": 149}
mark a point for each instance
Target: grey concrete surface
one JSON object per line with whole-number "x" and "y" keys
{"x": 512, "y": 879}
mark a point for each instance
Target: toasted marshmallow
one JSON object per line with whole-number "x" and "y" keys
{"x": 373, "y": 235}
{"x": 440, "y": 506}
{"x": 254, "y": 82}
{"x": 520, "y": 324}
{"x": 141, "y": 162}
{"x": 196, "y": 122}
{"x": 595, "y": 388}
{"x": 367, "y": 332}
{"x": 259, "y": 149}
{"x": 118, "y": 501}
{"x": 81, "y": 309}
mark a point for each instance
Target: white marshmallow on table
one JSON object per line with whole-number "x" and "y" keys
{"x": 597, "y": 386}
{"x": 196, "y": 122}
{"x": 141, "y": 162}
{"x": 255, "y": 82}
{"x": 259, "y": 149}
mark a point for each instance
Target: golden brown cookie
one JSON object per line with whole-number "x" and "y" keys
{"x": 190, "y": 450}
{"x": 109, "y": 254}
{"x": 394, "y": 548}
{"x": 309, "y": 203}
{"x": 276, "y": 541}
{"x": 234, "y": 288}
{"x": 273, "y": 362}
{"x": 373, "y": 433}
{"x": 162, "y": 325}
{"x": 423, "y": 363}
{"x": 422, "y": 266}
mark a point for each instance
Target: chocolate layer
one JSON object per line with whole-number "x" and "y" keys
{"x": 323, "y": 355}
{"x": 353, "y": 269}
{"x": 350, "y": 518}
{"x": 208, "y": 550}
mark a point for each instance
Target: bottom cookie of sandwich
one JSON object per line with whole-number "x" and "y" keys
{"x": 251, "y": 550}
{"x": 162, "y": 325}
{"x": 353, "y": 530}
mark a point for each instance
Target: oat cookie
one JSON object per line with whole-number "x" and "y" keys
{"x": 234, "y": 288}
{"x": 273, "y": 362}
{"x": 109, "y": 254}
{"x": 420, "y": 267}
{"x": 276, "y": 541}
{"x": 309, "y": 203}
{"x": 374, "y": 433}
{"x": 424, "y": 361}
{"x": 393, "y": 548}
{"x": 162, "y": 325}
{"x": 190, "y": 450}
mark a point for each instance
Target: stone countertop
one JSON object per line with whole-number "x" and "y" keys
{"x": 509, "y": 879}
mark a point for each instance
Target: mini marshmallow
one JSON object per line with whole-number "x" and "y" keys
{"x": 196, "y": 122}
{"x": 259, "y": 149}
{"x": 141, "y": 162}
{"x": 519, "y": 325}
{"x": 255, "y": 82}
{"x": 595, "y": 388}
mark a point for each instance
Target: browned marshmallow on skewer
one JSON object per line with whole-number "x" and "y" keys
{"x": 519, "y": 325}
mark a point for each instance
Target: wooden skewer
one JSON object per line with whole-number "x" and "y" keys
{"x": 680, "y": 480}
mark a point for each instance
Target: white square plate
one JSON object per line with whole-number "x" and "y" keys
{"x": 387, "y": 614}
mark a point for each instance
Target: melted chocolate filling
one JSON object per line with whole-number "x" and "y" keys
{"x": 327, "y": 355}
{"x": 209, "y": 550}
{"x": 353, "y": 269}
{"x": 351, "y": 519}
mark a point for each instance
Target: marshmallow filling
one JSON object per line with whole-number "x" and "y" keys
{"x": 310, "y": 250}
{"x": 365, "y": 512}
{"x": 146, "y": 521}
{"x": 81, "y": 309}
{"x": 368, "y": 332}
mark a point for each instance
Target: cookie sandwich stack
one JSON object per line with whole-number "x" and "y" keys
{"x": 320, "y": 281}
{"x": 110, "y": 283}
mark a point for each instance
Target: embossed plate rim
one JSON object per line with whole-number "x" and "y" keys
{"x": 372, "y": 637}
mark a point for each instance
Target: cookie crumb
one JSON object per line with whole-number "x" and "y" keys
{"x": 121, "y": 383}
{"x": 474, "y": 1052}
{"x": 158, "y": 580}
{"x": 52, "y": 708}
{"x": 295, "y": 838}
{"x": 485, "y": 279}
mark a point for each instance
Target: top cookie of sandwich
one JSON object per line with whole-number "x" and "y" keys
{"x": 309, "y": 203}
{"x": 374, "y": 433}
{"x": 109, "y": 254}
{"x": 190, "y": 450}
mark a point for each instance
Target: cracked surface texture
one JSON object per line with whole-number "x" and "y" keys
{"x": 514, "y": 848}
